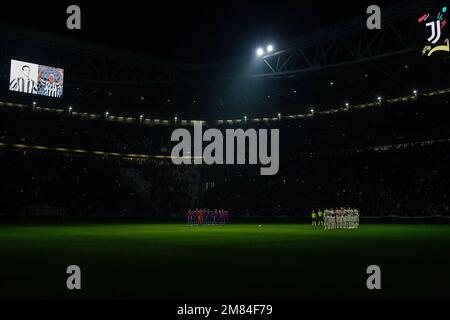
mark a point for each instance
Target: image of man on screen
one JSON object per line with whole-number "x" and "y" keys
{"x": 49, "y": 86}
{"x": 23, "y": 82}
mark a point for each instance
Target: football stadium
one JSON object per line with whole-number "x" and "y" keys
{"x": 245, "y": 151}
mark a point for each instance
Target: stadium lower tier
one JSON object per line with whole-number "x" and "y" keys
{"x": 408, "y": 181}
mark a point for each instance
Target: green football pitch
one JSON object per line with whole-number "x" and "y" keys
{"x": 174, "y": 261}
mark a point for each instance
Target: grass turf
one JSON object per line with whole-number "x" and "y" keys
{"x": 169, "y": 261}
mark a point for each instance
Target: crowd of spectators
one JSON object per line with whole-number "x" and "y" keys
{"x": 410, "y": 181}
{"x": 326, "y": 161}
{"x": 422, "y": 119}
{"x": 92, "y": 185}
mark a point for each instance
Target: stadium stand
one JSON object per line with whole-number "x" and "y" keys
{"x": 389, "y": 159}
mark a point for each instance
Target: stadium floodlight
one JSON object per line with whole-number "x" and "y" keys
{"x": 269, "y": 48}
{"x": 259, "y": 52}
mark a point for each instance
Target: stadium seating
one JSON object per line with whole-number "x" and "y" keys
{"x": 386, "y": 160}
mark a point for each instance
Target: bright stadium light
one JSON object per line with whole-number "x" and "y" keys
{"x": 269, "y": 48}
{"x": 260, "y": 52}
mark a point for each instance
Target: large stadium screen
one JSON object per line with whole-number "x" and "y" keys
{"x": 36, "y": 79}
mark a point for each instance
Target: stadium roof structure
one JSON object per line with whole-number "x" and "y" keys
{"x": 343, "y": 63}
{"x": 350, "y": 43}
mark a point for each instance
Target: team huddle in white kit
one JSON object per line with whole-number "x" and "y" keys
{"x": 342, "y": 218}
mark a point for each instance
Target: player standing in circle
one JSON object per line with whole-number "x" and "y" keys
{"x": 189, "y": 217}
{"x": 353, "y": 219}
{"x": 336, "y": 218}
{"x": 194, "y": 216}
{"x": 313, "y": 218}
{"x": 206, "y": 217}
{"x": 320, "y": 217}
{"x": 326, "y": 219}
{"x": 344, "y": 218}
{"x": 200, "y": 217}
{"x": 356, "y": 218}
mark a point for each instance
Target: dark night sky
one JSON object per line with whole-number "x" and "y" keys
{"x": 191, "y": 31}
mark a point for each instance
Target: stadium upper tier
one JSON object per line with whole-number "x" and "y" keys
{"x": 177, "y": 121}
{"x": 408, "y": 119}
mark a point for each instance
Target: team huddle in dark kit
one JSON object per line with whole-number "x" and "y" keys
{"x": 207, "y": 217}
